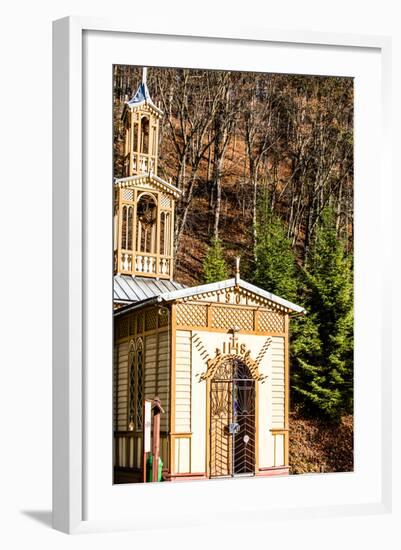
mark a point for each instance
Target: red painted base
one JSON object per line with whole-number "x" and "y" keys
{"x": 263, "y": 472}
{"x": 184, "y": 477}
{"x": 274, "y": 471}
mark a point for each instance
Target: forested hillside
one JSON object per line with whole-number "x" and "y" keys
{"x": 226, "y": 136}
{"x": 265, "y": 165}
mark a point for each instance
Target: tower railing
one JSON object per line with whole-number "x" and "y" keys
{"x": 143, "y": 263}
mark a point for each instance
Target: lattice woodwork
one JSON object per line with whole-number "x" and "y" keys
{"x": 225, "y": 317}
{"x": 151, "y": 319}
{"x": 270, "y": 321}
{"x": 131, "y": 325}
{"x": 123, "y": 328}
{"x": 128, "y": 194}
{"x": 163, "y": 317}
{"x": 165, "y": 202}
{"x": 192, "y": 315}
{"x": 139, "y": 323}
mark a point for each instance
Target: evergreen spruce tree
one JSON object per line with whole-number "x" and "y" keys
{"x": 214, "y": 264}
{"x": 322, "y": 342}
{"x": 274, "y": 264}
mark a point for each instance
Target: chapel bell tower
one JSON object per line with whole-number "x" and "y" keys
{"x": 143, "y": 202}
{"x": 141, "y": 123}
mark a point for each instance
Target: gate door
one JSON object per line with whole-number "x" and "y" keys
{"x": 232, "y": 420}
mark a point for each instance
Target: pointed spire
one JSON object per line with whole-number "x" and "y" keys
{"x": 142, "y": 94}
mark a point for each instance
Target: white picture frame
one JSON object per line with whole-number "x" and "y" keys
{"x": 82, "y": 47}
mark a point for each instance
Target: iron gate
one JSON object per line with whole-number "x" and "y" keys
{"x": 232, "y": 420}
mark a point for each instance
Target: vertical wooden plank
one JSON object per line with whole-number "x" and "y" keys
{"x": 256, "y": 320}
{"x": 157, "y": 271}
{"x": 138, "y": 143}
{"x": 286, "y": 388}
{"x": 119, "y": 236}
{"x": 156, "y": 152}
{"x": 116, "y": 364}
{"x": 134, "y": 236}
{"x": 173, "y": 340}
{"x": 209, "y": 316}
{"x": 131, "y": 141}
{"x": 274, "y": 452}
{"x": 171, "y": 243}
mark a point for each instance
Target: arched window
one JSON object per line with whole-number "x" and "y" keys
{"x": 126, "y": 229}
{"x": 145, "y": 135}
{"x": 146, "y": 215}
{"x": 131, "y": 402}
{"x": 135, "y": 362}
{"x": 139, "y": 379}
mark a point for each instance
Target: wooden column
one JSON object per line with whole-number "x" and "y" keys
{"x": 286, "y": 388}
{"x": 172, "y": 322}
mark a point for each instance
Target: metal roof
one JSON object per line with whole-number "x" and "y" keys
{"x": 129, "y": 289}
{"x": 141, "y": 97}
{"x": 187, "y": 292}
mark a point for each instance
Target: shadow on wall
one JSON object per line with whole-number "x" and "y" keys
{"x": 41, "y": 516}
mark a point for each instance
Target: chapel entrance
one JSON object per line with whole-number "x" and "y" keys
{"x": 232, "y": 420}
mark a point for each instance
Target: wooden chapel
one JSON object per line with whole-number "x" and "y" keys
{"x": 216, "y": 354}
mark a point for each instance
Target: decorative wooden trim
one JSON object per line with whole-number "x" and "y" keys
{"x": 259, "y": 301}
{"x": 214, "y": 363}
{"x": 188, "y": 317}
{"x": 181, "y": 435}
{"x": 134, "y": 315}
{"x": 173, "y": 342}
{"x": 227, "y": 331}
{"x": 286, "y": 389}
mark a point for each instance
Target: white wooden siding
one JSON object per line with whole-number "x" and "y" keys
{"x": 277, "y": 382}
{"x": 122, "y": 387}
{"x": 183, "y": 382}
{"x": 163, "y": 379}
{"x": 150, "y": 366}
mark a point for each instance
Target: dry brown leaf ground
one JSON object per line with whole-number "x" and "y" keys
{"x": 317, "y": 446}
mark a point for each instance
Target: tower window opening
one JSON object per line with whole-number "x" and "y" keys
{"x": 146, "y": 215}
{"x": 126, "y": 229}
{"x": 135, "y": 138}
{"x": 164, "y": 233}
{"x": 145, "y": 135}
